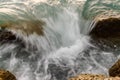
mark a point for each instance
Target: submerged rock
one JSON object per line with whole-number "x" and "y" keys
{"x": 6, "y": 75}
{"x": 58, "y": 72}
{"x": 6, "y": 36}
{"x": 115, "y": 69}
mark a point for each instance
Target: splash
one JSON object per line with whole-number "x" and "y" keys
{"x": 54, "y": 41}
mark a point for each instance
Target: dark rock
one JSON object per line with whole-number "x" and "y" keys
{"x": 106, "y": 33}
{"x": 107, "y": 28}
{"x": 6, "y": 36}
{"x": 115, "y": 69}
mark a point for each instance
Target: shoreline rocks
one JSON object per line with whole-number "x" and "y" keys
{"x": 115, "y": 69}
{"x": 6, "y": 75}
{"x": 25, "y": 27}
{"x": 106, "y": 28}
{"x": 88, "y": 77}
{"x": 105, "y": 34}
{"x": 114, "y": 74}
{"x": 93, "y": 77}
{"x": 6, "y": 36}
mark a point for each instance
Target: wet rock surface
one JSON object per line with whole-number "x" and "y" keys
{"x": 114, "y": 74}
{"x": 106, "y": 33}
{"x": 88, "y": 76}
{"x": 93, "y": 77}
{"x": 115, "y": 69}
{"x": 107, "y": 28}
{"x": 6, "y": 75}
{"x": 6, "y": 36}
{"x": 26, "y": 27}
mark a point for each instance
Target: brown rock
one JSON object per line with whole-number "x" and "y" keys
{"x": 112, "y": 78}
{"x": 25, "y": 27}
{"x": 115, "y": 69}
{"x": 93, "y": 77}
{"x": 106, "y": 32}
{"x": 6, "y": 75}
{"x": 106, "y": 28}
{"x": 88, "y": 77}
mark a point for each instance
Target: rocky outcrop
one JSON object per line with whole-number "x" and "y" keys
{"x": 88, "y": 77}
{"x": 115, "y": 69}
{"x": 93, "y": 77}
{"x": 106, "y": 28}
{"x": 114, "y": 73}
{"x": 106, "y": 32}
{"x": 6, "y": 36}
{"x": 25, "y": 27}
{"x": 6, "y": 75}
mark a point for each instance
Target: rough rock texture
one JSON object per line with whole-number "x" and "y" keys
{"x": 106, "y": 32}
{"x": 6, "y": 75}
{"x": 115, "y": 69}
{"x": 114, "y": 73}
{"x": 25, "y": 27}
{"x": 88, "y": 77}
{"x": 6, "y": 36}
{"x": 107, "y": 28}
{"x": 93, "y": 77}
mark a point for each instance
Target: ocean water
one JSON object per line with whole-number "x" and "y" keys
{"x": 54, "y": 38}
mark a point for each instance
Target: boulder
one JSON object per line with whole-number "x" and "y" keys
{"x": 106, "y": 28}
{"x": 93, "y": 77}
{"x": 6, "y": 36}
{"x": 6, "y": 75}
{"x": 112, "y": 78}
{"x": 25, "y": 27}
{"x": 106, "y": 32}
{"x": 88, "y": 77}
{"x": 115, "y": 69}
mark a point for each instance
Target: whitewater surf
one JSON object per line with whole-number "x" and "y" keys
{"x": 51, "y": 38}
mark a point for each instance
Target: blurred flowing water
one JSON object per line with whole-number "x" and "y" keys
{"x": 64, "y": 49}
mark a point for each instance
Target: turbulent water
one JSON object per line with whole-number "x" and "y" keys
{"x": 54, "y": 42}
